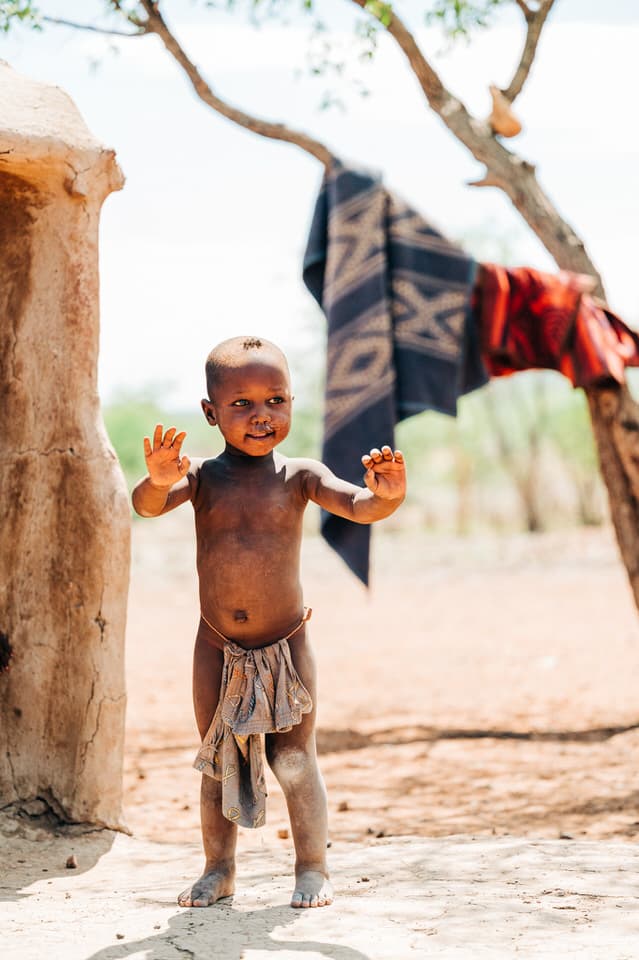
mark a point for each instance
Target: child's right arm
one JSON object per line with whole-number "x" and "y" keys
{"x": 166, "y": 486}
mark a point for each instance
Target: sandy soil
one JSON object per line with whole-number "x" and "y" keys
{"x": 400, "y": 898}
{"x": 478, "y": 734}
{"x": 483, "y": 686}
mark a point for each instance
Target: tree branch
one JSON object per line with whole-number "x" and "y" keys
{"x": 535, "y": 20}
{"x": 155, "y": 23}
{"x": 525, "y": 9}
{"x": 614, "y": 413}
{"x": 437, "y": 95}
{"x": 504, "y": 169}
{"x": 58, "y": 21}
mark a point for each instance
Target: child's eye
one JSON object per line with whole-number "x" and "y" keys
{"x": 239, "y": 403}
{"x": 276, "y": 400}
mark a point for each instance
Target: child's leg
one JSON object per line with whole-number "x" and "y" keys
{"x": 219, "y": 835}
{"x": 293, "y": 759}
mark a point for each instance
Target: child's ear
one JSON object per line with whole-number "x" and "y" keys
{"x": 207, "y": 410}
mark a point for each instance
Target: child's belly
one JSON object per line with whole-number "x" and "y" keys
{"x": 250, "y": 588}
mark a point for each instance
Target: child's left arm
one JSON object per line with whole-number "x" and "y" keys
{"x": 385, "y": 480}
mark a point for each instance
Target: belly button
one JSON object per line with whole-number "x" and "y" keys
{"x": 240, "y": 616}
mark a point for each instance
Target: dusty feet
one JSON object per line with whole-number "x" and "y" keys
{"x": 312, "y": 889}
{"x": 212, "y": 886}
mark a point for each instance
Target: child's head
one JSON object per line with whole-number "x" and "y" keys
{"x": 249, "y": 394}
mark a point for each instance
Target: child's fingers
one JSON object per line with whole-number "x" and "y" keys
{"x": 183, "y": 466}
{"x": 157, "y": 436}
{"x": 178, "y": 441}
{"x": 370, "y": 479}
{"x": 168, "y": 437}
{"x": 385, "y": 455}
{"x": 147, "y": 447}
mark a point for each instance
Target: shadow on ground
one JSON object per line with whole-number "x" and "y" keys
{"x": 31, "y": 850}
{"x": 193, "y": 932}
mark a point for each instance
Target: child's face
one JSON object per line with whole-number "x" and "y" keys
{"x": 252, "y": 406}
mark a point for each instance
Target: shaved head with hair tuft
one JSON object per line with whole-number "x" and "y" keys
{"x": 236, "y": 352}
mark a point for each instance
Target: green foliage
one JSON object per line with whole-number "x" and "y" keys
{"x": 127, "y": 421}
{"x": 259, "y": 11}
{"x": 22, "y": 11}
{"x": 458, "y": 18}
{"x": 381, "y": 11}
{"x": 570, "y": 430}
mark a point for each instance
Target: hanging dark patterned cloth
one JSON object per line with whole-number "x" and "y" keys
{"x": 396, "y": 295}
{"x": 528, "y": 319}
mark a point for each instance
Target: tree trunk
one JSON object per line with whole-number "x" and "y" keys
{"x": 613, "y": 411}
{"x": 64, "y": 538}
{"x": 615, "y": 422}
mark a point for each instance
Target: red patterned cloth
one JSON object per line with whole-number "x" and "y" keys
{"x": 530, "y": 319}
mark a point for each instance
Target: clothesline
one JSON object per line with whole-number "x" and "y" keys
{"x": 414, "y": 323}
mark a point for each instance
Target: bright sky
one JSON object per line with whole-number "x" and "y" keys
{"x": 206, "y": 239}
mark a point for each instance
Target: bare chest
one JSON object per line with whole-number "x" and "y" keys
{"x": 248, "y": 505}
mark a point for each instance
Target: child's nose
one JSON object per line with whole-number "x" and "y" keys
{"x": 260, "y": 414}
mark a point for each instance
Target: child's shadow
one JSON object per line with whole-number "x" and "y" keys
{"x": 224, "y": 932}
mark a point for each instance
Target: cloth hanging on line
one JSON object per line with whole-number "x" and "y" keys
{"x": 406, "y": 335}
{"x": 401, "y": 339}
{"x": 529, "y": 319}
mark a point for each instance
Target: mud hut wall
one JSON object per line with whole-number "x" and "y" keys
{"x": 64, "y": 527}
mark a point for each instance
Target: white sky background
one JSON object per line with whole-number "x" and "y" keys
{"x": 206, "y": 239}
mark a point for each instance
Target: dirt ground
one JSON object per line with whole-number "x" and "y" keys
{"x": 399, "y": 898}
{"x": 483, "y": 686}
{"x": 478, "y": 734}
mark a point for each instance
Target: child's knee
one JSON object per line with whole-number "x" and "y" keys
{"x": 289, "y": 762}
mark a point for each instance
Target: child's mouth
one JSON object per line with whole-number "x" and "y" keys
{"x": 260, "y": 436}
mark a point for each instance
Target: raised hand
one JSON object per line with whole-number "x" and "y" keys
{"x": 163, "y": 459}
{"x": 385, "y": 473}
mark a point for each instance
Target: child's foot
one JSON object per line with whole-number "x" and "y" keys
{"x": 312, "y": 889}
{"x": 212, "y": 886}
